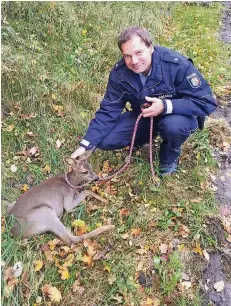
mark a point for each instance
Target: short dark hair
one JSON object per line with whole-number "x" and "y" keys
{"x": 129, "y": 32}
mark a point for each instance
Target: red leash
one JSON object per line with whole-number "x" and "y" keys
{"x": 129, "y": 157}
{"x": 131, "y": 149}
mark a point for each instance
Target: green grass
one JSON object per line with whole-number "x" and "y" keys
{"x": 55, "y": 64}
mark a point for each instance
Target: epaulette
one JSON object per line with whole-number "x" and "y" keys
{"x": 119, "y": 64}
{"x": 171, "y": 58}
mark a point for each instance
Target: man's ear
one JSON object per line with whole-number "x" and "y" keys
{"x": 85, "y": 155}
{"x": 69, "y": 161}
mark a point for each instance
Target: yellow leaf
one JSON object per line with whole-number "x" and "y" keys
{"x": 107, "y": 268}
{"x": 53, "y": 96}
{"x": 25, "y": 187}
{"x": 52, "y": 244}
{"x": 98, "y": 224}
{"x": 87, "y": 259}
{"x": 38, "y": 265}
{"x": 81, "y": 226}
{"x": 64, "y": 272}
{"x": 58, "y": 108}
{"x": 149, "y": 301}
{"x": 79, "y": 223}
{"x": 94, "y": 188}
{"x": 46, "y": 169}
{"x": 198, "y": 249}
{"x": 53, "y": 293}
{"x": 84, "y": 32}
{"x": 69, "y": 260}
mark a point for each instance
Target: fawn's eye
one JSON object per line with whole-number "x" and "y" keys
{"x": 85, "y": 172}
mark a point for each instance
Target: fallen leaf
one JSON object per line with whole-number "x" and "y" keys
{"x": 87, "y": 259}
{"x": 198, "y": 249}
{"x": 152, "y": 223}
{"x": 59, "y": 109}
{"x": 124, "y": 212}
{"x": 149, "y": 301}
{"x": 46, "y": 169}
{"x": 91, "y": 251}
{"x": 25, "y": 187}
{"x": 69, "y": 260}
{"x": 8, "y": 291}
{"x": 186, "y": 285}
{"x": 184, "y": 231}
{"x": 141, "y": 251}
{"x": 100, "y": 255}
{"x": 8, "y": 273}
{"x": 111, "y": 279}
{"x": 206, "y": 254}
{"x": 64, "y": 272}
{"x": 39, "y": 299}
{"x": 94, "y": 188}
{"x": 219, "y": 286}
{"x": 107, "y": 268}
{"x": 135, "y": 231}
{"x": 125, "y": 236}
{"x": 38, "y": 265}
{"x": 77, "y": 288}
{"x": 12, "y": 282}
{"x": 163, "y": 248}
{"x": 31, "y": 134}
{"x": 52, "y": 244}
{"x": 17, "y": 269}
{"x": 52, "y": 292}
{"x": 80, "y": 227}
{"x": 58, "y": 144}
{"x": 196, "y": 200}
{"x": 33, "y": 150}
{"x": 13, "y": 168}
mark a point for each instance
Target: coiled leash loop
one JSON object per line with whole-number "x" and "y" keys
{"x": 145, "y": 105}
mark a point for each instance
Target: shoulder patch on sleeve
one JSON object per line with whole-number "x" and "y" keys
{"x": 171, "y": 58}
{"x": 194, "y": 80}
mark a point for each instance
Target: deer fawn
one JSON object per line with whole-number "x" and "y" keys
{"x": 40, "y": 208}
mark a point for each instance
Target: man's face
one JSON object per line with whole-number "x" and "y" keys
{"x": 137, "y": 55}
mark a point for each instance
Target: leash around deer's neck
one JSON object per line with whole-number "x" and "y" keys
{"x": 80, "y": 187}
{"x": 77, "y": 187}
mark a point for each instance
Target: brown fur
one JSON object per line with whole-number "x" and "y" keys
{"x": 40, "y": 208}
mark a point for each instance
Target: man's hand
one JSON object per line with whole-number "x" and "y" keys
{"x": 80, "y": 151}
{"x": 155, "y": 109}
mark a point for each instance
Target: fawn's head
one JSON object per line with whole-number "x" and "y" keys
{"x": 81, "y": 169}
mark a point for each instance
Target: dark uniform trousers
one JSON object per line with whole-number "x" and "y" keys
{"x": 173, "y": 129}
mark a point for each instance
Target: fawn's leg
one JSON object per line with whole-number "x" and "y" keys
{"x": 70, "y": 204}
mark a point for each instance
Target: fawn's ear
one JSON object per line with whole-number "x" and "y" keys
{"x": 69, "y": 161}
{"x": 85, "y": 155}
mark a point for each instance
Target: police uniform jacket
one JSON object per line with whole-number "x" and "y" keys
{"x": 173, "y": 78}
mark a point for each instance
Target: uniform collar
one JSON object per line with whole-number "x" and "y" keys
{"x": 133, "y": 79}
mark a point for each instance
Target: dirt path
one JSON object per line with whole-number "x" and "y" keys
{"x": 219, "y": 266}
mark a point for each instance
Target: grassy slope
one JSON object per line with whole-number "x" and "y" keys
{"x": 60, "y": 54}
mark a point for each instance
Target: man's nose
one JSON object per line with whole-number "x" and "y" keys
{"x": 134, "y": 60}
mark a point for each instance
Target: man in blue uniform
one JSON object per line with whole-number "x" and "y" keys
{"x": 177, "y": 93}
